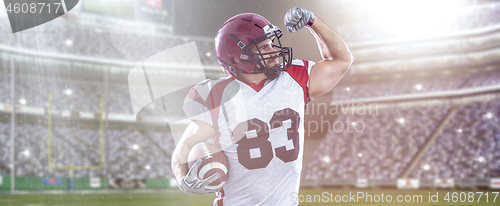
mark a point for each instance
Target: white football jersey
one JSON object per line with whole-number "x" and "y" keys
{"x": 260, "y": 131}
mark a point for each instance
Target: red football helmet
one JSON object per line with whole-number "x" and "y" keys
{"x": 234, "y": 40}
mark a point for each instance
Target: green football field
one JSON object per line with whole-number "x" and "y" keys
{"x": 306, "y": 196}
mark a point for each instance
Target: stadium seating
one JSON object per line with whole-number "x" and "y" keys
{"x": 415, "y": 85}
{"x": 4, "y": 87}
{"x": 383, "y": 150}
{"x": 65, "y": 38}
{"x": 62, "y": 39}
{"x": 5, "y": 149}
{"x": 381, "y": 147}
{"x": 88, "y": 94}
{"x": 468, "y": 147}
{"x": 132, "y": 154}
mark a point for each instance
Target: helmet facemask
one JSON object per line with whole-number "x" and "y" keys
{"x": 284, "y": 54}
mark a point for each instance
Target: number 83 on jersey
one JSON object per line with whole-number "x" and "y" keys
{"x": 253, "y": 137}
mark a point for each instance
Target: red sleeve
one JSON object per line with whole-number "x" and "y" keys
{"x": 299, "y": 71}
{"x": 203, "y": 104}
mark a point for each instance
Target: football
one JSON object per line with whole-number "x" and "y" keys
{"x": 213, "y": 161}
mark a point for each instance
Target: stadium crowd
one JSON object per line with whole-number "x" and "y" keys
{"x": 467, "y": 147}
{"x": 131, "y": 153}
{"x": 122, "y": 44}
{"x": 34, "y": 92}
{"x": 380, "y": 147}
{"x": 415, "y": 85}
{"x": 107, "y": 44}
{"x": 390, "y": 140}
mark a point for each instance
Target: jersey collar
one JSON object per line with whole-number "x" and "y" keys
{"x": 256, "y": 87}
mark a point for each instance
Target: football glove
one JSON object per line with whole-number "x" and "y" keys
{"x": 192, "y": 184}
{"x": 297, "y": 18}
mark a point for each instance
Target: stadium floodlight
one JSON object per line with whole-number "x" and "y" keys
{"x": 135, "y": 147}
{"x": 326, "y": 159}
{"x": 489, "y": 115}
{"x": 401, "y": 120}
{"x": 426, "y": 167}
{"x": 480, "y": 159}
{"x": 68, "y": 92}
{"x": 22, "y": 101}
{"x": 418, "y": 87}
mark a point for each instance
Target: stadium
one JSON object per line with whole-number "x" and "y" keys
{"x": 417, "y": 114}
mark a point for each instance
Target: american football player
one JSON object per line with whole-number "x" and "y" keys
{"x": 256, "y": 114}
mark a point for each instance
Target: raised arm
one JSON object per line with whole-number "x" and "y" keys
{"x": 336, "y": 60}
{"x": 337, "y": 57}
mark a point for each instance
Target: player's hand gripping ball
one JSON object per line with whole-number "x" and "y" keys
{"x": 208, "y": 169}
{"x": 297, "y": 18}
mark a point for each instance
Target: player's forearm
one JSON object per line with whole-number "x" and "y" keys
{"x": 179, "y": 161}
{"x": 330, "y": 44}
{"x": 195, "y": 133}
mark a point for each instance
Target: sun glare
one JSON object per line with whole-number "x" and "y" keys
{"x": 410, "y": 19}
